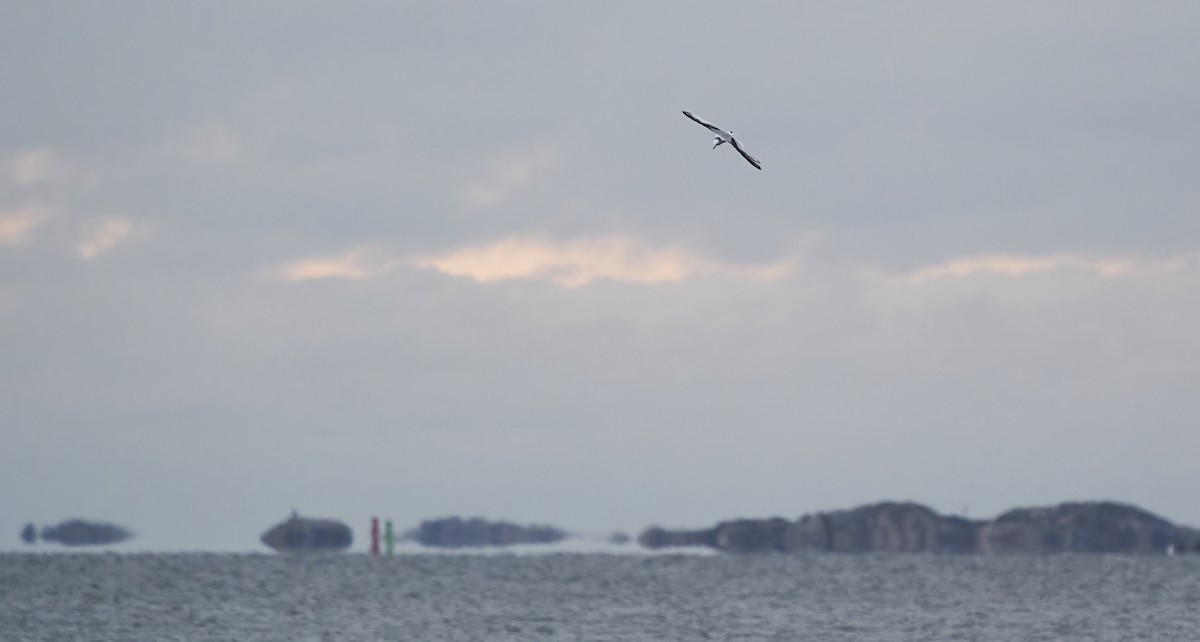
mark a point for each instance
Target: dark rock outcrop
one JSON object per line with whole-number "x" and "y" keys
{"x": 78, "y": 532}
{"x": 455, "y": 532}
{"x": 1094, "y": 527}
{"x": 305, "y": 534}
{"x": 750, "y": 535}
{"x": 887, "y": 527}
{"x": 657, "y": 537}
{"x": 1100, "y": 527}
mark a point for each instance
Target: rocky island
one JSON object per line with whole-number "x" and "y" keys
{"x": 305, "y": 534}
{"x": 456, "y": 532}
{"x": 77, "y": 532}
{"x": 905, "y": 527}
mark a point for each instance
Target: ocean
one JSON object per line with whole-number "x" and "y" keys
{"x": 595, "y": 596}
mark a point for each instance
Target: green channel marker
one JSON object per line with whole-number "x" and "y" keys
{"x": 387, "y": 536}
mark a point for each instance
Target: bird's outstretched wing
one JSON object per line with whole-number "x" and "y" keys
{"x": 738, "y": 146}
{"x": 701, "y": 121}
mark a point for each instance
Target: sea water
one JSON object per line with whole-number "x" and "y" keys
{"x": 591, "y": 596}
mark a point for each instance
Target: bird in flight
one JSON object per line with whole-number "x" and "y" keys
{"x": 722, "y": 136}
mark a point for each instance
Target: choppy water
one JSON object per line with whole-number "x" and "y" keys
{"x": 597, "y": 597}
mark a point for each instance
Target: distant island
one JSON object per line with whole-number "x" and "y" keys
{"x": 77, "y": 532}
{"x": 308, "y": 535}
{"x": 456, "y": 532}
{"x": 906, "y": 527}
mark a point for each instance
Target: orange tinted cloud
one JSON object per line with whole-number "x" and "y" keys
{"x": 358, "y": 263}
{"x": 582, "y": 261}
{"x": 112, "y": 232}
{"x": 1011, "y": 265}
{"x": 16, "y": 225}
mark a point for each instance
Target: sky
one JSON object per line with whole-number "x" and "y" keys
{"x": 412, "y": 260}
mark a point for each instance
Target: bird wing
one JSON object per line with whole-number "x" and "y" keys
{"x": 702, "y": 121}
{"x": 738, "y": 146}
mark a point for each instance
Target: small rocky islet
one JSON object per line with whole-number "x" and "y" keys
{"x": 456, "y": 532}
{"x": 77, "y": 532}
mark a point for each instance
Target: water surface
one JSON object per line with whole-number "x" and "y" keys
{"x": 597, "y": 597}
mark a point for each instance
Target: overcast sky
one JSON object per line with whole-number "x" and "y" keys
{"x": 413, "y": 260}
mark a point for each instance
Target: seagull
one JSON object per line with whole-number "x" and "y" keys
{"x": 722, "y": 136}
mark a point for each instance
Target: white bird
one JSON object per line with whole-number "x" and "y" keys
{"x": 722, "y": 136}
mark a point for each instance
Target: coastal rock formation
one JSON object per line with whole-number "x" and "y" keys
{"x": 78, "y": 532}
{"x": 887, "y": 527}
{"x": 749, "y": 535}
{"x": 658, "y": 537}
{"x": 305, "y": 534}
{"x": 1102, "y": 527}
{"x": 455, "y": 532}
